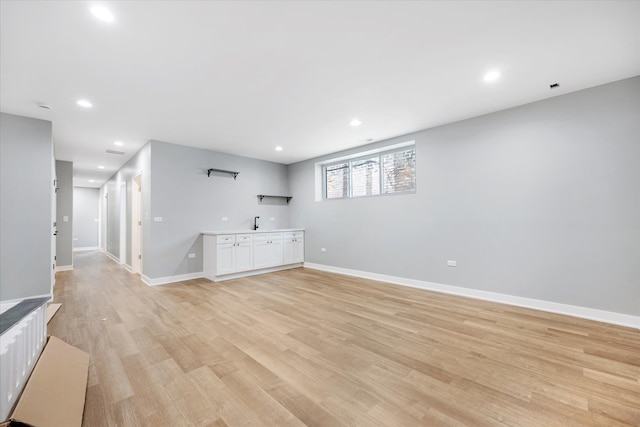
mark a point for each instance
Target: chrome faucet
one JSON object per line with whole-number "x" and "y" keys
{"x": 255, "y": 222}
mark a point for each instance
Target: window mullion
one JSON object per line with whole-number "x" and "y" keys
{"x": 349, "y": 177}
{"x": 380, "y": 173}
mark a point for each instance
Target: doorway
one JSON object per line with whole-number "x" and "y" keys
{"x": 54, "y": 228}
{"x": 136, "y": 224}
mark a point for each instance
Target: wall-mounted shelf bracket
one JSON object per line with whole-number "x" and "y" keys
{"x": 235, "y": 174}
{"x": 287, "y": 198}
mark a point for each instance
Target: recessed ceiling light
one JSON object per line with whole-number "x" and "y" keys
{"x": 102, "y": 14}
{"x": 355, "y": 123}
{"x": 84, "y": 103}
{"x": 100, "y": 167}
{"x": 492, "y": 76}
{"x": 118, "y": 143}
{"x": 92, "y": 180}
{"x": 278, "y": 148}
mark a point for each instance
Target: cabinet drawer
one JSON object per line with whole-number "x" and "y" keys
{"x": 227, "y": 238}
{"x": 294, "y": 235}
{"x": 244, "y": 238}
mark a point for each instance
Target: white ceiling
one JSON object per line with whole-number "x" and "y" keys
{"x": 244, "y": 77}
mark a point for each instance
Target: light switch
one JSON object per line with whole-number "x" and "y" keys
{"x": 65, "y": 218}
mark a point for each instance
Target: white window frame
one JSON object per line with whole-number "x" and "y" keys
{"x": 321, "y": 182}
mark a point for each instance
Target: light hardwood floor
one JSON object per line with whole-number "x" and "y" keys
{"x": 303, "y": 347}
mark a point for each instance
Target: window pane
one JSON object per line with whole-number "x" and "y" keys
{"x": 365, "y": 177}
{"x": 337, "y": 179}
{"x": 399, "y": 171}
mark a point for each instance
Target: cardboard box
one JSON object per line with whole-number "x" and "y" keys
{"x": 56, "y": 390}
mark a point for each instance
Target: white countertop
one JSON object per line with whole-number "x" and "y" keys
{"x": 275, "y": 230}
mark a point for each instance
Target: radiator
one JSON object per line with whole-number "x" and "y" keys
{"x": 21, "y": 343}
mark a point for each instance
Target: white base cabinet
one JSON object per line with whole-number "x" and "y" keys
{"x": 267, "y": 250}
{"x": 233, "y": 254}
{"x": 293, "y": 248}
{"x": 228, "y": 256}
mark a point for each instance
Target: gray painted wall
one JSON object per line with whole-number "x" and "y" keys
{"x": 25, "y": 207}
{"x": 64, "y": 208}
{"x": 190, "y": 202}
{"x": 176, "y": 188}
{"x": 540, "y": 201}
{"x": 111, "y": 217}
{"x": 112, "y": 201}
{"x": 85, "y": 217}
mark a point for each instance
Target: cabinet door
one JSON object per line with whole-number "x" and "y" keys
{"x": 298, "y": 250}
{"x": 288, "y": 250}
{"x": 260, "y": 254}
{"x": 225, "y": 254}
{"x": 275, "y": 254}
{"x": 244, "y": 256}
{"x": 293, "y": 247}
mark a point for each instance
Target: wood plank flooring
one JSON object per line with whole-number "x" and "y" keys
{"x": 303, "y": 347}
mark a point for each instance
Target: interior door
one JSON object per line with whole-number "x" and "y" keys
{"x": 54, "y": 229}
{"x": 136, "y": 225}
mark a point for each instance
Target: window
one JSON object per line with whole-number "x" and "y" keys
{"x": 337, "y": 179}
{"x": 365, "y": 177}
{"x": 385, "y": 172}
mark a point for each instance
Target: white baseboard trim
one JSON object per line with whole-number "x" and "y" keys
{"x": 170, "y": 279}
{"x": 553, "y": 307}
{"x": 86, "y": 248}
{"x": 64, "y": 268}
{"x": 113, "y": 257}
{"x": 128, "y": 268}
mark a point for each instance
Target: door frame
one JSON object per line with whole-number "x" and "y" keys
{"x": 136, "y": 223}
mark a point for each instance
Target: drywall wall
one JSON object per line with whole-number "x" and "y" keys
{"x": 179, "y": 201}
{"x": 190, "y": 202}
{"x": 540, "y": 201}
{"x": 64, "y": 214}
{"x": 26, "y": 168}
{"x": 85, "y": 217}
{"x": 110, "y": 199}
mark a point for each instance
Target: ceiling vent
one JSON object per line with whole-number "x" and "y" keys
{"x": 115, "y": 152}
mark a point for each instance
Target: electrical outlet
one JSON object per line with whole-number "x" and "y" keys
{"x": 157, "y": 218}
{"x": 451, "y": 263}
{"x": 323, "y": 249}
{"x": 191, "y": 255}
{"x": 224, "y": 218}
